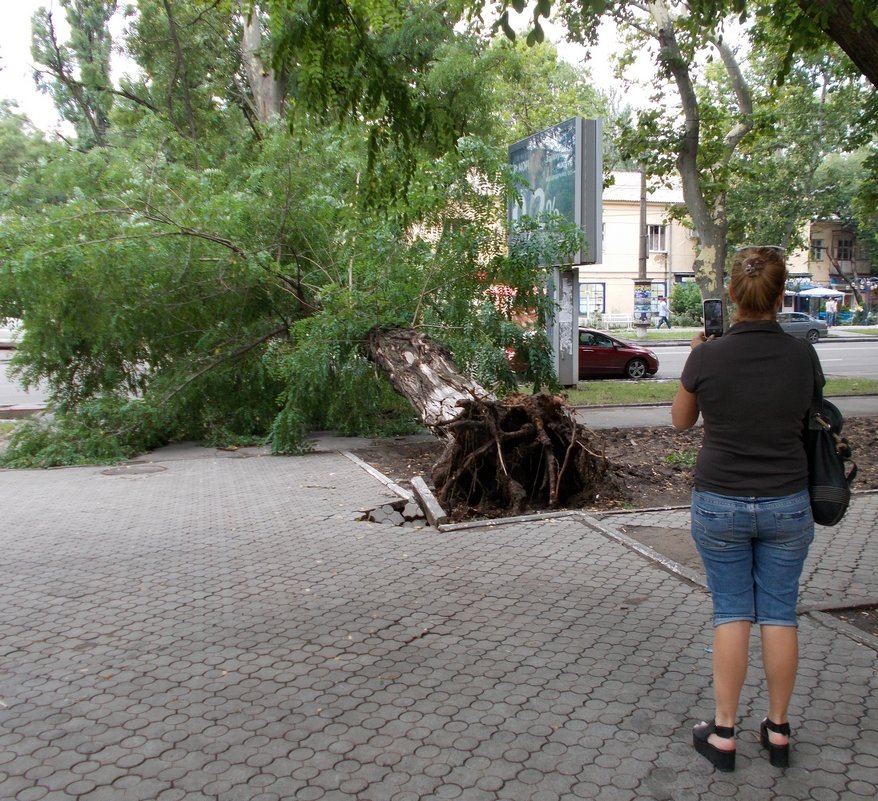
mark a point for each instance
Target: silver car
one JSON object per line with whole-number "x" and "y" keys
{"x": 802, "y": 325}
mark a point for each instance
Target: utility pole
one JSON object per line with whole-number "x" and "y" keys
{"x": 641, "y": 263}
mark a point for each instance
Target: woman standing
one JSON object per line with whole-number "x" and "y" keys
{"x": 751, "y": 514}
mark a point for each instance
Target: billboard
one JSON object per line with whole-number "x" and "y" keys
{"x": 563, "y": 170}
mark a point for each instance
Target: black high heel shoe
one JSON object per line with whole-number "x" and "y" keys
{"x": 721, "y": 760}
{"x": 778, "y": 755}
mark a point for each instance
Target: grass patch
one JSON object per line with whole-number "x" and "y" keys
{"x": 622, "y": 392}
{"x": 681, "y": 458}
{"x": 649, "y": 391}
{"x": 857, "y": 330}
{"x": 653, "y": 334}
{"x": 851, "y": 386}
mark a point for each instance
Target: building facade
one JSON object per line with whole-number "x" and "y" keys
{"x": 612, "y": 293}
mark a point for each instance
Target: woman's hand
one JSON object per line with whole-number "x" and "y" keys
{"x": 698, "y": 339}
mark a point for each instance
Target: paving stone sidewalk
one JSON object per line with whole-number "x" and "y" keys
{"x": 842, "y": 561}
{"x": 226, "y": 628}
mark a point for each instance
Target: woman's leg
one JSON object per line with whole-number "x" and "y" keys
{"x": 786, "y": 530}
{"x": 721, "y": 529}
{"x": 780, "y": 657}
{"x": 731, "y": 644}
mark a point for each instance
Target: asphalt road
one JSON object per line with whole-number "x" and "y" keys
{"x": 840, "y": 358}
{"x": 11, "y": 394}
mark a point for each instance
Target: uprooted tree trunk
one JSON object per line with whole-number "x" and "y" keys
{"x": 503, "y": 455}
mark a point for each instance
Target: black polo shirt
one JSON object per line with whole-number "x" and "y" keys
{"x": 754, "y": 386}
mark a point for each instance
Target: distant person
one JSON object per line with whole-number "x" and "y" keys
{"x": 751, "y": 513}
{"x": 664, "y": 313}
{"x": 831, "y": 311}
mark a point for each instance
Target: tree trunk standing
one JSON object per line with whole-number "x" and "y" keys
{"x": 502, "y": 456}
{"x": 267, "y": 88}
{"x": 708, "y": 218}
{"x": 854, "y": 33}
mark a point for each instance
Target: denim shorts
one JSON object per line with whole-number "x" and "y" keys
{"x": 753, "y": 551}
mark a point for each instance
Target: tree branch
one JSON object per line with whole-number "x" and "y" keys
{"x": 61, "y": 73}
{"x": 225, "y": 358}
{"x": 72, "y": 82}
{"x": 742, "y": 94}
{"x": 181, "y": 65}
{"x": 672, "y": 60}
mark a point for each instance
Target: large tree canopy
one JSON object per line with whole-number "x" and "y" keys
{"x": 742, "y": 146}
{"x": 805, "y": 25}
{"x": 268, "y": 187}
{"x": 209, "y": 268}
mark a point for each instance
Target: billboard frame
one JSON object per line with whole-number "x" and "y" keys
{"x": 538, "y": 158}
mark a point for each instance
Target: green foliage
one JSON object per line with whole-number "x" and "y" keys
{"x": 237, "y": 300}
{"x": 21, "y": 146}
{"x": 682, "y": 458}
{"x": 533, "y": 89}
{"x": 192, "y": 274}
{"x": 79, "y": 70}
{"x": 188, "y": 53}
{"x": 803, "y": 27}
{"x": 399, "y": 68}
{"x": 776, "y": 185}
{"x": 328, "y": 384}
{"x": 150, "y": 279}
{"x": 104, "y": 430}
{"x": 686, "y": 300}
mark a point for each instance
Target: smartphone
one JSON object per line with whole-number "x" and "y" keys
{"x": 713, "y": 317}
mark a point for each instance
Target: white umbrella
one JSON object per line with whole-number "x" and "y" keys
{"x": 820, "y": 292}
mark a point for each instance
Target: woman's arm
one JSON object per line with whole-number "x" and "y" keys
{"x": 684, "y": 412}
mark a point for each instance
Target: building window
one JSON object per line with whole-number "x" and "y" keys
{"x": 656, "y": 237}
{"x": 844, "y": 249}
{"x": 817, "y": 249}
{"x": 592, "y": 299}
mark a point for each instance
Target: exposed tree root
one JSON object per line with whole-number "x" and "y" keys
{"x": 506, "y": 456}
{"x": 520, "y": 453}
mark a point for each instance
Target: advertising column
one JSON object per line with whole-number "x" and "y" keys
{"x": 561, "y": 169}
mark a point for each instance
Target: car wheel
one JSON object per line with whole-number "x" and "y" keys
{"x": 813, "y": 336}
{"x": 636, "y": 368}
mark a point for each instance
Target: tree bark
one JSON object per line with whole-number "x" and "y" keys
{"x": 266, "y": 88}
{"x": 858, "y": 37}
{"x": 708, "y": 219}
{"x": 422, "y": 371}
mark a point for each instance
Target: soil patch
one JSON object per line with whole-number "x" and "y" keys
{"x": 864, "y": 618}
{"x": 653, "y": 465}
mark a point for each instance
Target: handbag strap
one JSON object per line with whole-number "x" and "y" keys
{"x": 819, "y": 383}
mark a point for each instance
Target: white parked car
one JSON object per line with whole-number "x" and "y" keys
{"x": 10, "y": 332}
{"x": 803, "y": 325}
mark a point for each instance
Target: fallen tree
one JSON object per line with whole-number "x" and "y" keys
{"x": 503, "y": 456}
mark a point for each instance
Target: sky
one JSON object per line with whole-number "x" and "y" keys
{"x": 16, "y": 76}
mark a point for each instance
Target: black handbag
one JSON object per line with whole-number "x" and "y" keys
{"x": 829, "y": 455}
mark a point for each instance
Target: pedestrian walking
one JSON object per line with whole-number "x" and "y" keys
{"x": 664, "y": 312}
{"x": 750, "y": 515}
